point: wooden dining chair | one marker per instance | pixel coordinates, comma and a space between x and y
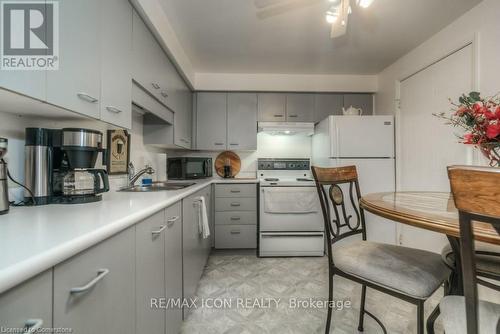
409, 274
476, 192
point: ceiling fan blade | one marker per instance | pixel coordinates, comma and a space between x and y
285, 7
260, 4
339, 27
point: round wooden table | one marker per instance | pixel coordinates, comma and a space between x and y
434, 211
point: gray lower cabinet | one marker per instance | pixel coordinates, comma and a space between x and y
300, 107
326, 105
150, 273
173, 266
271, 107
94, 291
211, 121
362, 101
195, 248
28, 305
235, 216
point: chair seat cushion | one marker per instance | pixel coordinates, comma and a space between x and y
453, 312
485, 264
412, 272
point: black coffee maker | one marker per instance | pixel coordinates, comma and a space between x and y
59, 166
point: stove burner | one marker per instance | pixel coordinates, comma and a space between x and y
303, 179
272, 179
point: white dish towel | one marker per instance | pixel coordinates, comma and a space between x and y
203, 227
291, 200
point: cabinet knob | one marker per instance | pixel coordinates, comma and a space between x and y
87, 97
101, 273
113, 109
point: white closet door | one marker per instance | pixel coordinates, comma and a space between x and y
425, 144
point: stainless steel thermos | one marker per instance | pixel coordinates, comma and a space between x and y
4, 187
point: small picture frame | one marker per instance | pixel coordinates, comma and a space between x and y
118, 152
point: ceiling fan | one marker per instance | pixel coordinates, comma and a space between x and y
337, 14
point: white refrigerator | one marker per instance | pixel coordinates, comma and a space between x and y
368, 143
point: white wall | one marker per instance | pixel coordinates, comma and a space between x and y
12, 127
480, 24
286, 82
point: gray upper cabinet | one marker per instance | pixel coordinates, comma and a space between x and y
150, 271
211, 120
363, 101
76, 85
28, 305
149, 60
94, 290
326, 105
271, 107
116, 62
173, 266
300, 107
183, 118
242, 121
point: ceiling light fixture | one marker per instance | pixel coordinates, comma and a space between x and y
364, 3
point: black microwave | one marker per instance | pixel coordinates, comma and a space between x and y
189, 168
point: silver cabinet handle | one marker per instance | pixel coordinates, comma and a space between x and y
234, 144
293, 116
235, 218
235, 232
235, 204
101, 273
164, 94
33, 325
218, 144
155, 85
87, 97
276, 116
172, 220
157, 232
113, 110
235, 191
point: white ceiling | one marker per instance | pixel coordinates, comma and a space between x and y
230, 36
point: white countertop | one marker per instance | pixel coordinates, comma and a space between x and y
34, 239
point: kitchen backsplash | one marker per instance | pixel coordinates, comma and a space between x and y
12, 127
268, 146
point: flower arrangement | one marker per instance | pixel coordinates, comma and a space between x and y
480, 119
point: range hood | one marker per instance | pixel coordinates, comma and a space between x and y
286, 128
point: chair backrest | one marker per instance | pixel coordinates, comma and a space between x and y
331, 196
476, 192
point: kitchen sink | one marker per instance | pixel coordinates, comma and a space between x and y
157, 186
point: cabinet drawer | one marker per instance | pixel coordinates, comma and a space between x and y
236, 217
31, 300
235, 190
235, 204
236, 236
98, 281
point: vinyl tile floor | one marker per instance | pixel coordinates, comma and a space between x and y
241, 293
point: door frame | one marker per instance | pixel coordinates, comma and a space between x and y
472, 155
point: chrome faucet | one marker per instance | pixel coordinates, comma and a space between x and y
133, 176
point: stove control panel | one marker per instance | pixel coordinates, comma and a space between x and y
283, 164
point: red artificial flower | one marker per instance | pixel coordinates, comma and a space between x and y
477, 107
497, 112
462, 111
493, 130
490, 115
468, 138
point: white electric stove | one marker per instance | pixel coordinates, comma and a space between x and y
291, 221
